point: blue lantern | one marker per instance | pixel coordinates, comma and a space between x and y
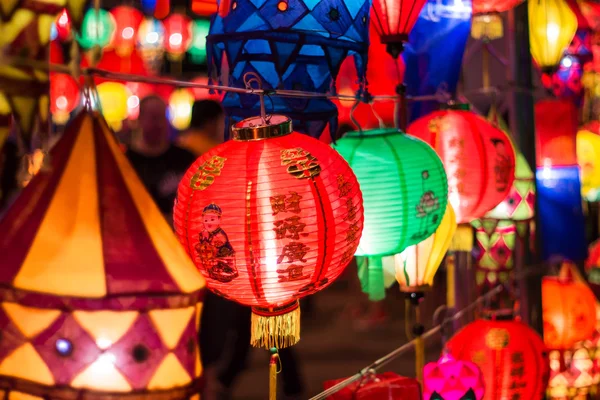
290, 45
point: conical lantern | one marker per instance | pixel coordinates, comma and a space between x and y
552, 26
101, 300
268, 218
416, 266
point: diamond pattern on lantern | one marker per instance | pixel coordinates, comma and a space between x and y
66, 348
333, 16
513, 201
10, 336
139, 352
186, 348
500, 251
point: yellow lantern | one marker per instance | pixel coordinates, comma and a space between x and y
588, 158
416, 266
113, 98
552, 26
180, 108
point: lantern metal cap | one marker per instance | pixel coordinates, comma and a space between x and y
257, 128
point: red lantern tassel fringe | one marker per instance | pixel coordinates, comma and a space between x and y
279, 327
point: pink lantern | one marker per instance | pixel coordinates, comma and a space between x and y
452, 379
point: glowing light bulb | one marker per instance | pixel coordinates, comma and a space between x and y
61, 102
152, 37
127, 33
566, 62
133, 102
176, 39
103, 344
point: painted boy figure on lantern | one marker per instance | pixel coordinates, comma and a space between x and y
214, 250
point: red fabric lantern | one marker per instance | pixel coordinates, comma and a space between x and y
204, 7
394, 20
382, 80
510, 354
63, 25
268, 218
556, 132
386, 386
568, 310
178, 35
479, 159
64, 96
128, 20
162, 9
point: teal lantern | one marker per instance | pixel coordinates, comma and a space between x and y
405, 192
197, 50
97, 29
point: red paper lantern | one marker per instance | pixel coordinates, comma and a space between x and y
386, 386
204, 7
479, 159
63, 25
268, 218
64, 96
556, 132
510, 354
394, 20
128, 20
162, 9
178, 35
569, 310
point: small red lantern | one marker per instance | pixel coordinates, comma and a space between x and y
268, 218
64, 96
478, 157
556, 132
385, 386
162, 9
178, 35
204, 7
128, 20
394, 20
63, 25
510, 354
569, 310
451, 379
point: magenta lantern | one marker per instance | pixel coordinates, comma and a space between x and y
451, 379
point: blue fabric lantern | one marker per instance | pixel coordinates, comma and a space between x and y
290, 45
434, 52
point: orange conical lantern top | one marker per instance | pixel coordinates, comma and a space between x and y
99, 295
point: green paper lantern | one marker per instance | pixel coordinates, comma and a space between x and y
197, 50
404, 187
97, 29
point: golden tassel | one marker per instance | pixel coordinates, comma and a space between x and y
270, 330
463, 238
450, 284
273, 363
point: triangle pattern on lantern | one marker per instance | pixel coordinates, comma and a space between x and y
102, 375
25, 363
22, 396
169, 374
30, 321
171, 324
97, 324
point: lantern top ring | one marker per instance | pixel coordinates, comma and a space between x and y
256, 128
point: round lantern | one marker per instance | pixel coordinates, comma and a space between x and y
151, 40
416, 266
479, 159
487, 22
520, 202
63, 25
394, 20
569, 311
113, 98
178, 35
588, 158
404, 188
510, 355
64, 96
552, 26
128, 20
180, 108
162, 8
268, 218
197, 50
97, 29
452, 379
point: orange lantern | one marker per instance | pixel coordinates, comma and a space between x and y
268, 218
178, 35
569, 310
64, 96
128, 20
510, 354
